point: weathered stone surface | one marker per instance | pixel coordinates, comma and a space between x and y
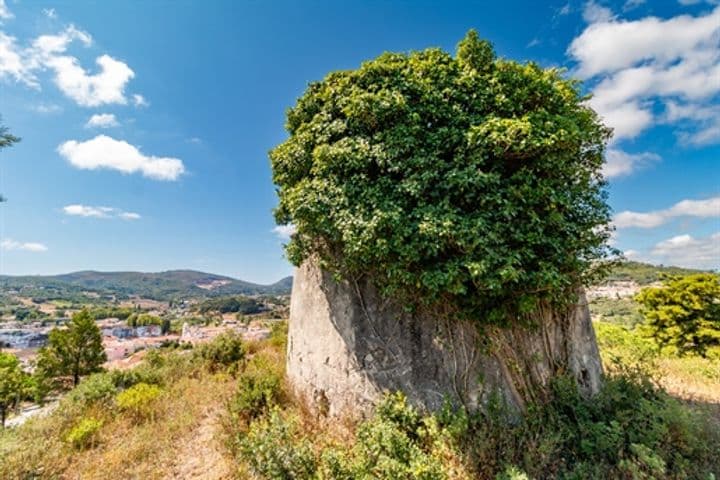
346, 346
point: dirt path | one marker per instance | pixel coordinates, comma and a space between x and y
201, 455
31, 411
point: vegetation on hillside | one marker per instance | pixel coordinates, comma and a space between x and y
122, 285
15, 385
644, 273
74, 351
239, 304
140, 423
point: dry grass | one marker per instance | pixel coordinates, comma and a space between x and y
179, 442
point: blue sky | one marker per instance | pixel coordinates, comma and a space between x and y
146, 125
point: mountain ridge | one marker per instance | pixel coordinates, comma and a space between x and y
163, 285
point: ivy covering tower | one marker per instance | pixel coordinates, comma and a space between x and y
466, 189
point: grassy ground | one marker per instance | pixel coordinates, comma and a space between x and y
176, 438
211, 413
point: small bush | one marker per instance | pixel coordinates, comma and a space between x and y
259, 389
96, 388
139, 400
223, 351
143, 373
512, 473
274, 450
85, 433
396, 443
279, 334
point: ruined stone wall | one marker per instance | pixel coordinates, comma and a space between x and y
346, 346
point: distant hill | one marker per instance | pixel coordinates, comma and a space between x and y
645, 273
158, 286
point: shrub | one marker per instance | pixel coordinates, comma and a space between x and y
629, 429
143, 373
85, 433
98, 387
279, 334
512, 473
223, 351
396, 443
684, 313
260, 387
139, 400
274, 450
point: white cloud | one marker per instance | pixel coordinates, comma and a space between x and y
686, 208
102, 120
99, 212
619, 163
638, 64
45, 46
12, 63
129, 216
284, 231
105, 87
612, 46
139, 100
630, 254
5, 13
86, 211
630, 4
594, 13
48, 52
706, 119
106, 152
10, 244
695, 2
687, 251
46, 108
629, 219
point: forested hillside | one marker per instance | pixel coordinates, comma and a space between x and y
157, 286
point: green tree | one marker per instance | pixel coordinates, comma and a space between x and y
6, 139
12, 384
683, 313
467, 181
73, 351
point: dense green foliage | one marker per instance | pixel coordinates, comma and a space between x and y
224, 351
6, 139
238, 304
260, 387
13, 384
73, 351
684, 313
631, 429
273, 450
468, 180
